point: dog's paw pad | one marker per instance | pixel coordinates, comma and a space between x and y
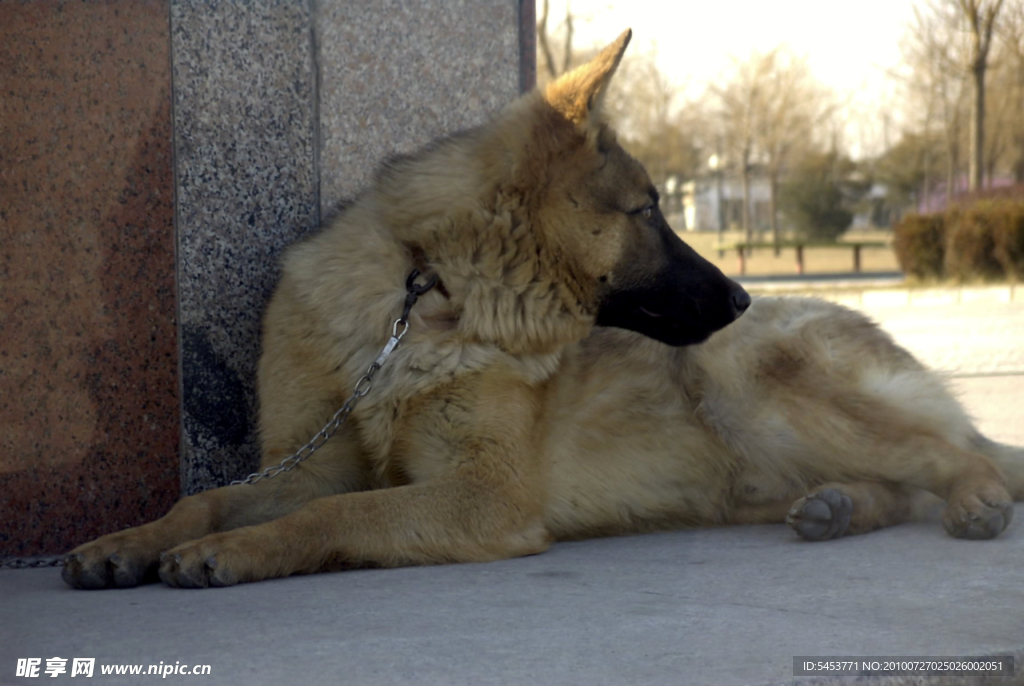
822, 515
977, 518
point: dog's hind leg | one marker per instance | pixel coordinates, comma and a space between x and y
898, 428
1009, 459
838, 509
978, 505
834, 509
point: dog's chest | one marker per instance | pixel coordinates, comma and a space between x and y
427, 407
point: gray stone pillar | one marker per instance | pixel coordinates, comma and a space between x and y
246, 186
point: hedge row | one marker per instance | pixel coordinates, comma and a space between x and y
984, 240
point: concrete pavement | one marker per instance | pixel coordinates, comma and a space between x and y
726, 606
717, 606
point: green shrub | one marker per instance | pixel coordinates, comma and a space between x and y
970, 242
919, 241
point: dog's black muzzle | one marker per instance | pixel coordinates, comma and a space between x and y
671, 294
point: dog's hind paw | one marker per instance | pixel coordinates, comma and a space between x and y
822, 515
978, 517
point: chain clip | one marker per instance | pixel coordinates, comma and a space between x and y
398, 329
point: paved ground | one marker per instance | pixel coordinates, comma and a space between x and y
717, 607
979, 338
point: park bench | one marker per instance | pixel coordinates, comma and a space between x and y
744, 248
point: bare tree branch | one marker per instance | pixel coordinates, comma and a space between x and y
542, 41
980, 16
567, 52
770, 107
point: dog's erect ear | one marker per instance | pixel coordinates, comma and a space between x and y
578, 94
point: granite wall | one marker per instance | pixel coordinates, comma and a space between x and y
133, 280
245, 150
88, 355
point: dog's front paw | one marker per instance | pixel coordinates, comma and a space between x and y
119, 560
822, 515
200, 564
979, 515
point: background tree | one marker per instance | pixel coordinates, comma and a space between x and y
906, 168
796, 108
1001, 112
980, 16
550, 39
741, 100
935, 83
813, 198
771, 110
947, 58
1010, 57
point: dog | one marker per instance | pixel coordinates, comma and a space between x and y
565, 367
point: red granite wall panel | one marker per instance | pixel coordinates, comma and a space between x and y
89, 420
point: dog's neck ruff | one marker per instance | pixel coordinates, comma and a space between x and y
398, 330
502, 280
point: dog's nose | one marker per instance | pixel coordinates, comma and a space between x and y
740, 300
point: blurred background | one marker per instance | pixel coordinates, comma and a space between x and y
801, 121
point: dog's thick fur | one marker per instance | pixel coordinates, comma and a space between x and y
506, 420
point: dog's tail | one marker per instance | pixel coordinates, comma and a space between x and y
1010, 460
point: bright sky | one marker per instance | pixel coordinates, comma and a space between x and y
849, 45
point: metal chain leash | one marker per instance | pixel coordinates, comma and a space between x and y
362, 387
32, 562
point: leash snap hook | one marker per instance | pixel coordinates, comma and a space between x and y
414, 291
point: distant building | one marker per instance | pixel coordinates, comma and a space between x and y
695, 205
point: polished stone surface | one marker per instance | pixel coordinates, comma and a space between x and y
527, 45
244, 90
395, 75
88, 358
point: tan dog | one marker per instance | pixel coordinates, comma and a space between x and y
506, 420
